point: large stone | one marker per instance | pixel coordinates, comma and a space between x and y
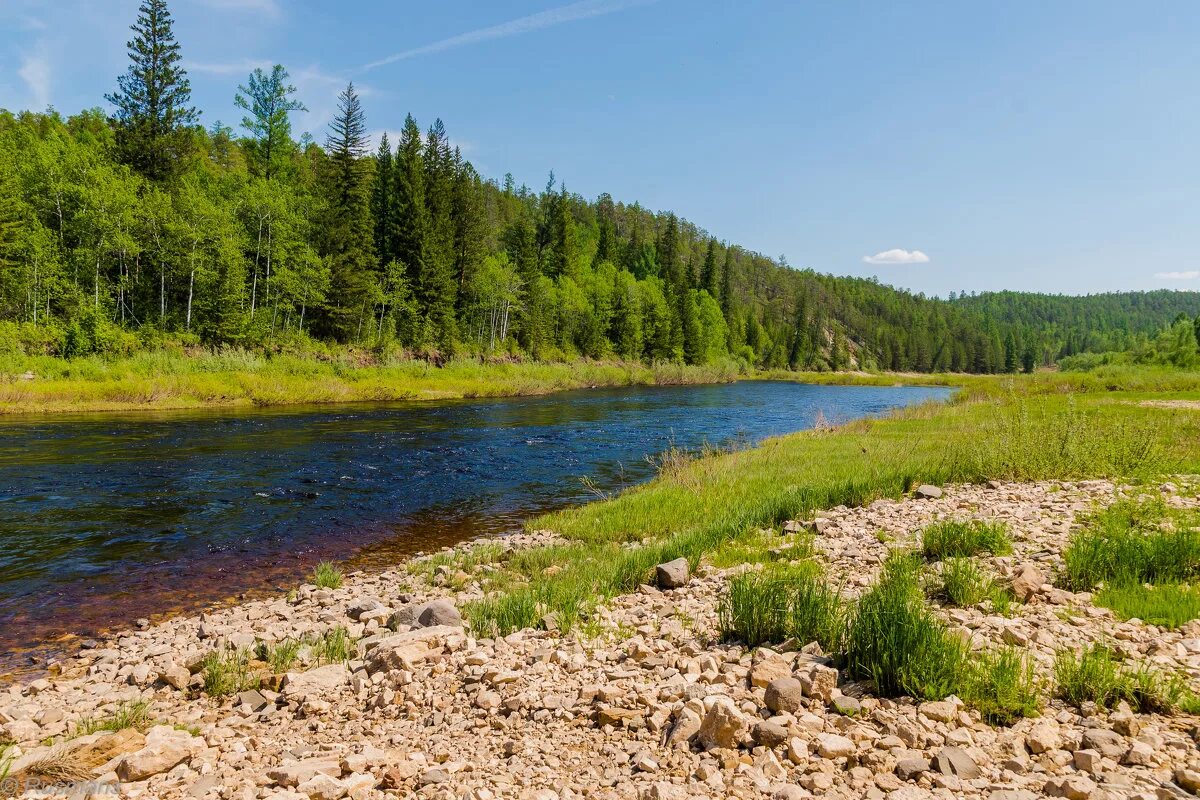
769, 734
1027, 583
723, 725
768, 669
1043, 737
92, 752
294, 773
785, 694
176, 676
673, 574
819, 681
427, 615
909, 769
324, 787
321, 682
939, 710
955, 761
1107, 743
687, 726
831, 745
165, 748
928, 492
404, 650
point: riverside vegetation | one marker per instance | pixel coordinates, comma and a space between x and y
815, 631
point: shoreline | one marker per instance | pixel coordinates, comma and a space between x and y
536, 711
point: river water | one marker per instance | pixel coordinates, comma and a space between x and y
108, 517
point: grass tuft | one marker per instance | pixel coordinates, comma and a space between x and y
1098, 675
327, 575
333, 646
1002, 686
1133, 542
964, 538
1168, 606
135, 714
784, 601
227, 672
279, 656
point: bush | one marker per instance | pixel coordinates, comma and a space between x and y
896, 641
962, 538
781, 602
1133, 542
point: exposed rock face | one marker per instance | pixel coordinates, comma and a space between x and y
648, 702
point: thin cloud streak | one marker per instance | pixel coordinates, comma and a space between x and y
1187, 275
585, 9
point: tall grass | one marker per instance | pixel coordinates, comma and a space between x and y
134, 714
1167, 606
327, 575
964, 538
1098, 675
783, 602
1133, 542
227, 672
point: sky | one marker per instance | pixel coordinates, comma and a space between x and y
940, 146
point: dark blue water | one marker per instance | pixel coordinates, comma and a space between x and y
107, 517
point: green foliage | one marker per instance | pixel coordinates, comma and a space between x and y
963, 583
1097, 675
279, 656
1167, 605
132, 714
327, 575
897, 643
333, 646
964, 538
1133, 542
782, 602
227, 672
1002, 686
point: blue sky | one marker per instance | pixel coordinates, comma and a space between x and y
986, 145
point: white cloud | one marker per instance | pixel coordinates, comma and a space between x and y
35, 71
1188, 275
268, 7
584, 9
897, 256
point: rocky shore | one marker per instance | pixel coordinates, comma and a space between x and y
643, 701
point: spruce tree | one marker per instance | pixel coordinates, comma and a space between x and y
269, 100
708, 273
152, 112
381, 200
726, 298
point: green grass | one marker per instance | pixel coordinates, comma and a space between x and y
134, 714
896, 642
964, 538
279, 656
962, 583
333, 646
1166, 605
1002, 686
1133, 542
173, 379
781, 602
699, 506
1099, 676
762, 547
227, 672
327, 575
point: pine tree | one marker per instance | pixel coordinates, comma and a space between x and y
708, 273
152, 111
269, 100
726, 295
350, 232
381, 200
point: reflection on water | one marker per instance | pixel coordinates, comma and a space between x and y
104, 518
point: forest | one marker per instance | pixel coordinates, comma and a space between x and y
138, 227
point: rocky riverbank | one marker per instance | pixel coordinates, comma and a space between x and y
642, 701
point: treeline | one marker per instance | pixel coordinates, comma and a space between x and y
1175, 345
141, 227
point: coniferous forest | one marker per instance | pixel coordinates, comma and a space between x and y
137, 226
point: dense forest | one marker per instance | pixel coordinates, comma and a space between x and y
139, 227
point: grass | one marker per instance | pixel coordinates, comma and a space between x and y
716, 505
761, 547
1002, 686
279, 656
135, 714
1166, 605
333, 646
227, 672
327, 575
1133, 542
1098, 675
962, 583
173, 379
964, 538
782, 602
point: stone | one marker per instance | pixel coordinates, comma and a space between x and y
91, 752
664, 790
955, 761
1042, 738
294, 773
1073, 787
1027, 582
819, 681
687, 726
427, 615
673, 574
789, 791
1109, 744
165, 748
847, 706
254, 699
1088, 761
928, 492
784, 694
909, 769
323, 787
404, 650
768, 669
1189, 779
939, 710
1139, 754
723, 725
831, 745
769, 734
176, 676
321, 682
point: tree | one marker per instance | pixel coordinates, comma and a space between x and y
350, 230
269, 100
152, 111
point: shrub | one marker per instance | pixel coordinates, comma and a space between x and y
1133, 542
783, 601
896, 641
961, 538
327, 575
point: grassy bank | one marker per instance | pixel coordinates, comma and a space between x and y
1006, 428
172, 380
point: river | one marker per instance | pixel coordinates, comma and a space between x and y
105, 518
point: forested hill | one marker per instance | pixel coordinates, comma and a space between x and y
137, 226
